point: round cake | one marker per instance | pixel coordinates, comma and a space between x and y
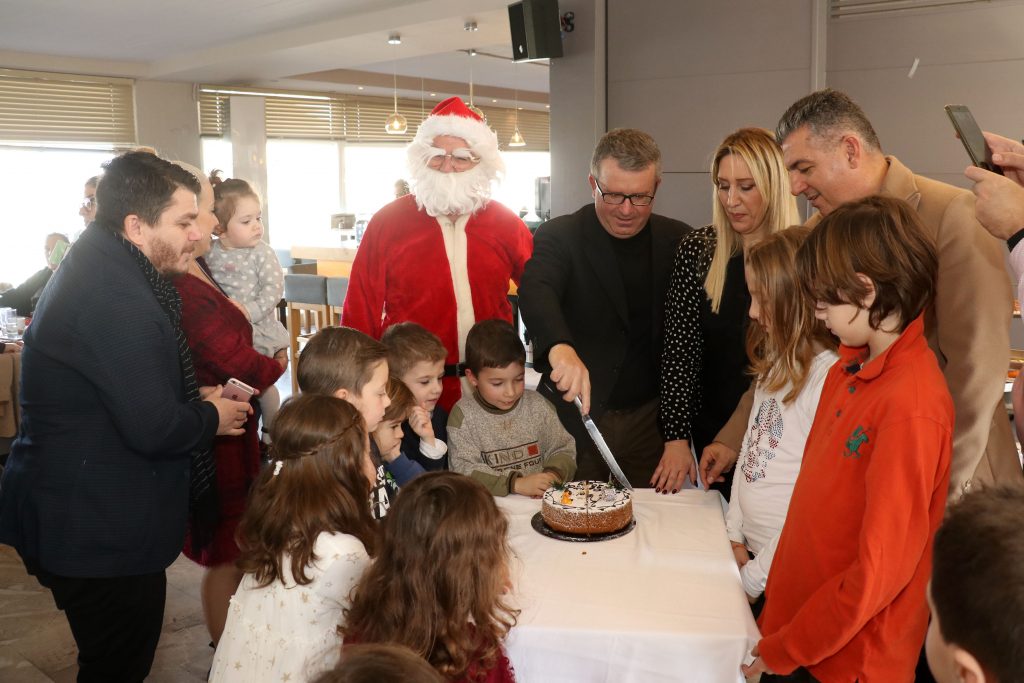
586, 507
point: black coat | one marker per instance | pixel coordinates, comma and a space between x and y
97, 483
572, 292
24, 296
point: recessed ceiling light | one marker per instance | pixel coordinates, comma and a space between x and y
548, 106
469, 26
359, 87
394, 39
494, 100
433, 94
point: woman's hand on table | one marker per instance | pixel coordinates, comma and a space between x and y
756, 667
676, 465
715, 459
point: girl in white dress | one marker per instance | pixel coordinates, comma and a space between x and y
305, 539
791, 352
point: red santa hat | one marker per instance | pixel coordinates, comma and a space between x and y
453, 117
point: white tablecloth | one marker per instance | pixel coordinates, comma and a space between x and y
663, 603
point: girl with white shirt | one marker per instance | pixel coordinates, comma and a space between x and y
790, 354
305, 540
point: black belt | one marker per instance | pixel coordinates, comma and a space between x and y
457, 370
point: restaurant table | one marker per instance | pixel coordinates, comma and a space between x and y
661, 603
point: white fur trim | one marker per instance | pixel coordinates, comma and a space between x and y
454, 235
482, 140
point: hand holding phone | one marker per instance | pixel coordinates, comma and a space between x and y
237, 390
56, 254
971, 137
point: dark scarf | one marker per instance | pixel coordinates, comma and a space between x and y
202, 499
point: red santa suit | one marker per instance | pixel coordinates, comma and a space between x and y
440, 272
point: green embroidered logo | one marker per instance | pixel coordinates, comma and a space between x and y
856, 440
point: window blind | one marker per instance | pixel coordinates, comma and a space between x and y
60, 108
355, 118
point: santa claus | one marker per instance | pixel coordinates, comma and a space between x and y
443, 256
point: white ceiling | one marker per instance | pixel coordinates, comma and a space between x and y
273, 43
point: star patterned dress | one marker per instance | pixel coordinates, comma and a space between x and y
285, 632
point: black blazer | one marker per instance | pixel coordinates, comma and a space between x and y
97, 482
572, 292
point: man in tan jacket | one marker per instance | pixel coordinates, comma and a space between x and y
834, 156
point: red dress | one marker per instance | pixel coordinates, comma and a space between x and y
401, 273
220, 338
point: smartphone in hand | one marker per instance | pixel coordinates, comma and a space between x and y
56, 254
970, 134
237, 390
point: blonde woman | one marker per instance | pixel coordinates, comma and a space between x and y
704, 361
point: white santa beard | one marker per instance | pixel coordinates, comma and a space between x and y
451, 194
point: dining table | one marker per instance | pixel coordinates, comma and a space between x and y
663, 602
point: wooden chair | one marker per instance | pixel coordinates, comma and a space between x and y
306, 297
337, 288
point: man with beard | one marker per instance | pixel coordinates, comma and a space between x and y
112, 457
443, 256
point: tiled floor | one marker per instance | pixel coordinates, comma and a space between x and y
36, 644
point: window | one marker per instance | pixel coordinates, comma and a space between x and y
303, 191
42, 190
370, 175
217, 155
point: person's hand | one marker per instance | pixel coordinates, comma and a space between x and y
206, 392
1000, 204
534, 485
13, 347
757, 667
569, 374
752, 599
419, 420
714, 460
1007, 154
240, 306
232, 414
739, 551
282, 357
676, 465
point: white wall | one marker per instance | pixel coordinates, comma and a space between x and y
167, 119
971, 55
577, 97
689, 73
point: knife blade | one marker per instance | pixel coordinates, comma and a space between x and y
602, 445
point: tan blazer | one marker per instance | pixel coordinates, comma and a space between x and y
968, 328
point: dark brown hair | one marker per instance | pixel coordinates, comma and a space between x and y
978, 579
338, 358
493, 344
226, 194
881, 238
437, 585
375, 663
402, 401
828, 114
408, 344
782, 354
139, 184
314, 483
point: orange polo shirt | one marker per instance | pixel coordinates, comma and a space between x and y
846, 593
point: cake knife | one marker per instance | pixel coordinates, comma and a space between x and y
602, 445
